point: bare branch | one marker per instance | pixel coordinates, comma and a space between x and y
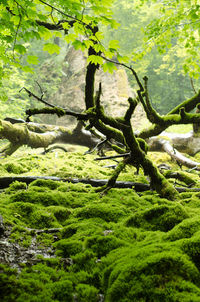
113, 156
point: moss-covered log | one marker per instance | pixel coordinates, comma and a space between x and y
41, 136
6, 181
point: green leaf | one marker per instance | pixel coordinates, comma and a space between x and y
89, 43
70, 38
15, 20
5, 32
109, 66
20, 49
32, 60
51, 48
45, 33
27, 69
123, 59
95, 59
114, 44
98, 48
57, 34
99, 35
79, 45
66, 25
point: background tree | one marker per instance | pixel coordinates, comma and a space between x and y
163, 60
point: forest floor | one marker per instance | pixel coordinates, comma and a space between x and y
66, 242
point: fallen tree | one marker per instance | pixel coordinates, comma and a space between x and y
41, 136
35, 135
138, 187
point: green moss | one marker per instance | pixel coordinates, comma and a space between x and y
192, 248
134, 274
67, 248
102, 245
60, 213
75, 187
85, 293
120, 231
69, 231
39, 283
15, 168
33, 216
162, 218
103, 211
44, 240
185, 195
51, 184
62, 290
81, 229
23, 209
42, 219
193, 201
8, 284
16, 186
124, 245
185, 229
43, 198
143, 144
21, 235
84, 262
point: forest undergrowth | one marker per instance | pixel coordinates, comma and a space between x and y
123, 246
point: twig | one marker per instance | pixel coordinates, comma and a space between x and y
112, 156
68, 16
192, 84
97, 147
42, 92
16, 34
57, 110
128, 67
37, 98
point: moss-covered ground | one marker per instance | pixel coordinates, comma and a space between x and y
123, 246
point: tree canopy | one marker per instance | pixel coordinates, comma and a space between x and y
158, 38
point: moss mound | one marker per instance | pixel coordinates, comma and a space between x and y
150, 273
161, 217
104, 211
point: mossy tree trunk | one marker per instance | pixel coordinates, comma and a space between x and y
137, 151
139, 157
